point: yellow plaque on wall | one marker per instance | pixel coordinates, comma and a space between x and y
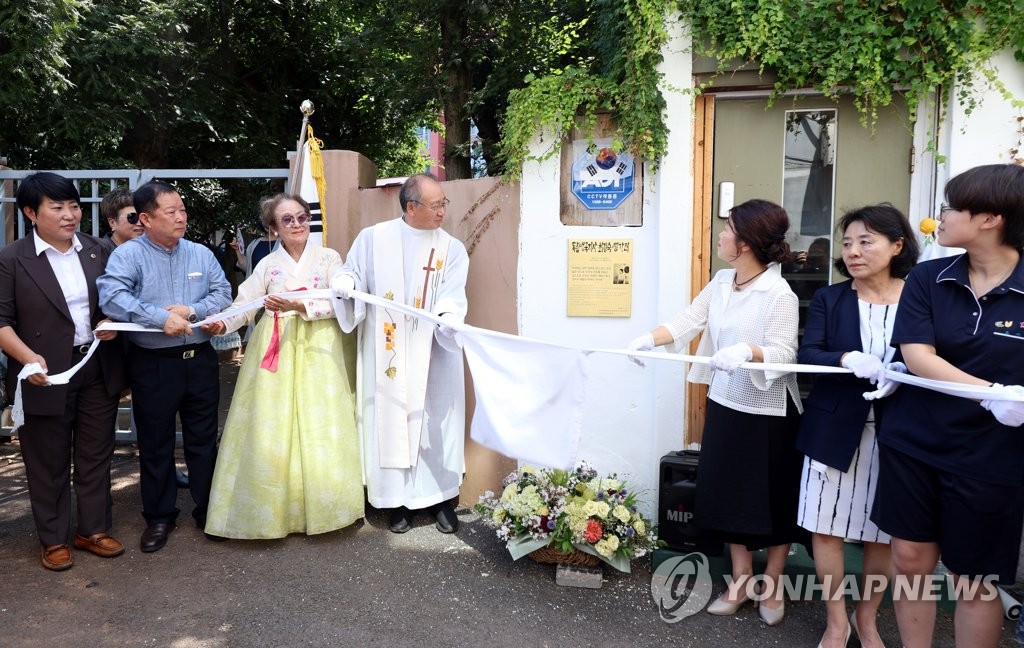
600, 277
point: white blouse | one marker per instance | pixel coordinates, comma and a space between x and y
765, 313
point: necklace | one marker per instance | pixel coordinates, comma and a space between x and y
738, 284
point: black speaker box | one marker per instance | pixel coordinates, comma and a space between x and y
677, 490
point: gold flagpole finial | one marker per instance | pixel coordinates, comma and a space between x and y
306, 107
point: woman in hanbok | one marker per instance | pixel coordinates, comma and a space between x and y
289, 456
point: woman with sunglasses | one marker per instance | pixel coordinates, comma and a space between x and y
119, 211
289, 456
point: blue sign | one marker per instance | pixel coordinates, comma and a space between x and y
602, 178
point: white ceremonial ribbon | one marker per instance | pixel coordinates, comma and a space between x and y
542, 423
63, 378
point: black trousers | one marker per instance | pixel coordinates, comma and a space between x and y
182, 382
84, 434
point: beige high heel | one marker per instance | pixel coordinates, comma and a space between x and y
772, 616
722, 607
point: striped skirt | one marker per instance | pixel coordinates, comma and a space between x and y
839, 503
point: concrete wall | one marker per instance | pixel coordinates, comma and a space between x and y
632, 416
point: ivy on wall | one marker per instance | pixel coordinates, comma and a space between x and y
874, 50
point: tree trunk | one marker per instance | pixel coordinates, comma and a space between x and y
458, 77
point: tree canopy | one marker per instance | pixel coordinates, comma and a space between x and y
202, 83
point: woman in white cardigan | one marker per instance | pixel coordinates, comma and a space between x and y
748, 479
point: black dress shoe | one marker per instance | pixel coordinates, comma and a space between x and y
401, 520
155, 536
447, 521
181, 477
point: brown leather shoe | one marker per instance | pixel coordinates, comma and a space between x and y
100, 544
57, 557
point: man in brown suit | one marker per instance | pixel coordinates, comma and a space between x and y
48, 312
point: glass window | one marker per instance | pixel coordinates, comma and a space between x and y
808, 185
807, 195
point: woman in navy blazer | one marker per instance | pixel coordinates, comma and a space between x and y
849, 324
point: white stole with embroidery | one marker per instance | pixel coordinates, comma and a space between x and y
402, 344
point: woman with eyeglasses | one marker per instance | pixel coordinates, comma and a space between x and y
951, 470
289, 455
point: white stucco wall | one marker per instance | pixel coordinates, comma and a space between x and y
632, 416
987, 134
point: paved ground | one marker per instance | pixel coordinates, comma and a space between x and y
360, 586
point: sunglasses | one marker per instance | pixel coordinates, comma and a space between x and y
132, 218
297, 220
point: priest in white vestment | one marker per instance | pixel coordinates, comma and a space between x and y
410, 386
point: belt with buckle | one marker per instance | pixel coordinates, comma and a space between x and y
185, 352
81, 349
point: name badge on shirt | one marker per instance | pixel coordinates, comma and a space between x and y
195, 276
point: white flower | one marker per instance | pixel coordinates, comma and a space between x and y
600, 509
510, 491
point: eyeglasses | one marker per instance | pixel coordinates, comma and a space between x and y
132, 218
293, 220
943, 208
437, 206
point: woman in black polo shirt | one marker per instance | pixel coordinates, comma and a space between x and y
951, 479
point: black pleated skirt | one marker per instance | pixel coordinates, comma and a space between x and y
748, 478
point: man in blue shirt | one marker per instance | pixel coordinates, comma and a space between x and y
161, 280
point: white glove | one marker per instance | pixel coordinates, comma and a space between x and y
644, 342
1007, 412
863, 365
446, 330
343, 285
885, 386
731, 357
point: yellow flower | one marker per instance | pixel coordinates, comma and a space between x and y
621, 512
439, 264
639, 526
498, 516
528, 470
928, 226
391, 372
543, 510
389, 295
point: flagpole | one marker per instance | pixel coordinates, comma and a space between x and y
307, 109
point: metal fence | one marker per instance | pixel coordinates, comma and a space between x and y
96, 183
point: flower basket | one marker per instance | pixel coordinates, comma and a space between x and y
554, 556
568, 516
